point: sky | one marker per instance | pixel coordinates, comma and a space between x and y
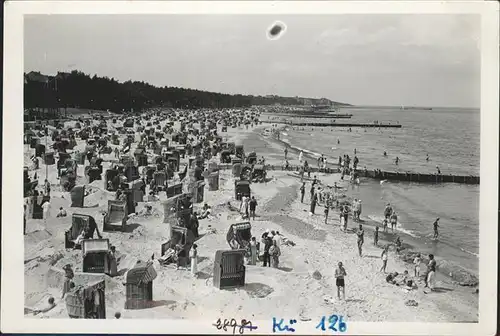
382, 59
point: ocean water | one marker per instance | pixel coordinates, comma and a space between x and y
450, 137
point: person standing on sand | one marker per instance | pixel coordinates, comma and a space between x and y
301, 157
253, 252
253, 206
431, 272
384, 257
46, 210
361, 239
375, 236
302, 192
436, 225
340, 273
274, 253
268, 242
311, 191
68, 279
286, 153
327, 210
193, 255
314, 201
346, 216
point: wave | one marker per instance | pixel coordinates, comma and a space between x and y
469, 252
399, 225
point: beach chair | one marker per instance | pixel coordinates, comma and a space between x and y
229, 269
95, 256
49, 159
132, 173
137, 190
213, 181
77, 196
225, 156
174, 190
182, 237
139, 286
242, 233
61, 163
110, 176
173, 163
160, 177
78, 223
241, 188
116, 217
81, 301
92, 173
258, 173
231, 146
251, 158
239, 151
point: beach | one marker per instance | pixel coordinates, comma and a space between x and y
289, 291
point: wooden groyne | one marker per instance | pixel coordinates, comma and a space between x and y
312, 115
335, 124
379, 174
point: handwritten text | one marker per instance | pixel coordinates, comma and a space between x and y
232, 323
280, 325
332, 321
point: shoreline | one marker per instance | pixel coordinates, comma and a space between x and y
412, 244
368, 225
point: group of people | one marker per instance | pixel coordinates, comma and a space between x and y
248, 206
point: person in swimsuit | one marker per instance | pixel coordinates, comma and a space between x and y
436, 225
394, 220
340, 273
361, 239
384, 257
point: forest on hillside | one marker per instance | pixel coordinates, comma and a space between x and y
79, 90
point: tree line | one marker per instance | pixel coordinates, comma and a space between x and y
79, 90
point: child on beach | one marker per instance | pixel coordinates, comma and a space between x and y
384, 257
340, 273
384, 224
417, 261
375, 236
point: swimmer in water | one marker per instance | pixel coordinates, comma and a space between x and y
385, 153
427, 158
338, 141
397, 160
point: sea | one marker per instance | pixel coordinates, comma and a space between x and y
450, 137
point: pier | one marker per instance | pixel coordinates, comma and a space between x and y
335, 124
379, 174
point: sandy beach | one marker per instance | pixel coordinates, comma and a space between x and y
290, 290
